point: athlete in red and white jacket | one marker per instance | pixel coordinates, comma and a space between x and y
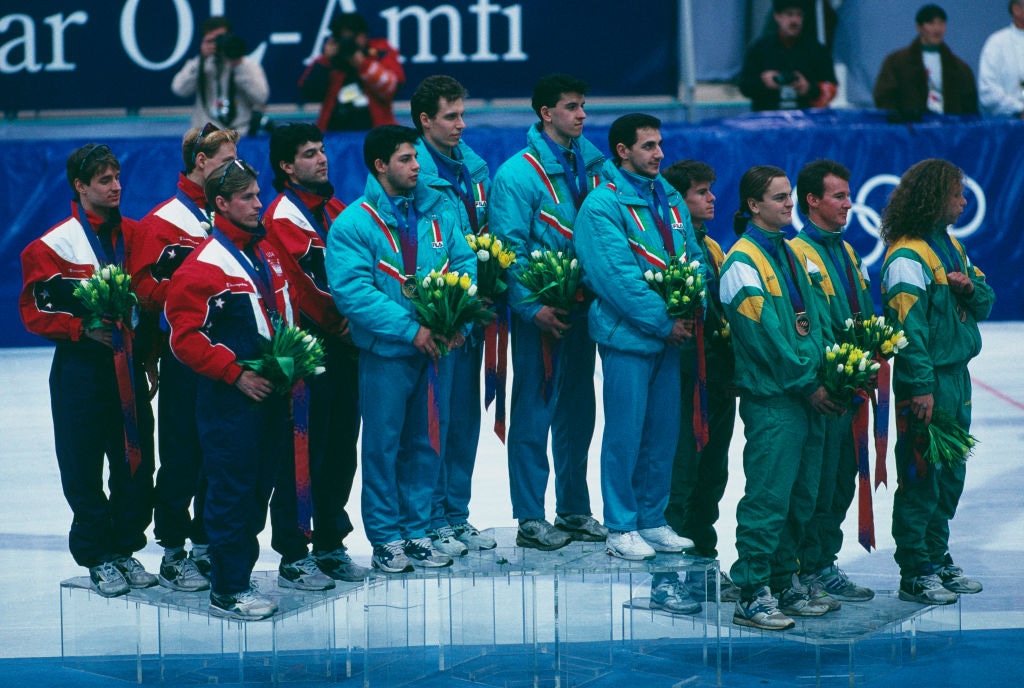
87, 399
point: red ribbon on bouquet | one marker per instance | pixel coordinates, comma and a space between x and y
125, 373
433, 407
865, 509
496, 366
700, 390
300, 441
881, 420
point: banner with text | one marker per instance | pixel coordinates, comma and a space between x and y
68, 54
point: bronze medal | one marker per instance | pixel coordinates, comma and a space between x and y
803, 324
409, 287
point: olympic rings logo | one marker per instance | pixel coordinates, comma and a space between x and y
870, 219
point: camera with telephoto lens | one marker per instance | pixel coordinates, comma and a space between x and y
230, 46
784, 77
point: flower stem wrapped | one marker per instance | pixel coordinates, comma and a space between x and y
553, 278
108, 298
446, 303
292, 354
681, 285
949, 444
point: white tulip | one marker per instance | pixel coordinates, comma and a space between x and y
659, 278
483, 256
649, 276
472, 290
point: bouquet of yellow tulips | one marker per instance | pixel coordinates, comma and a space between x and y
445, 303
492, 260
876, 337
846, 369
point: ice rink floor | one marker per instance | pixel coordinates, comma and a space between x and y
987, 534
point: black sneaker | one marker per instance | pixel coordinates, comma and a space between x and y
926, 590
108, 580
181, 573
201, 559
390, 557
339, 565
303, 574
135, 573
248, 605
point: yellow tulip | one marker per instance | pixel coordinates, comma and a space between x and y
451, 279
465, 281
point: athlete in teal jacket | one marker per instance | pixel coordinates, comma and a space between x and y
617, 240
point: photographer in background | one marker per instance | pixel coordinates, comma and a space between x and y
230, 89
355, 78
789, 69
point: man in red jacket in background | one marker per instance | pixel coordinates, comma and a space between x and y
355, 78
297, 223
166, 236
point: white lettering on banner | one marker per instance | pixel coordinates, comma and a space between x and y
129, 37
57, 26
870, 220
394, 16
482, 8
27, 43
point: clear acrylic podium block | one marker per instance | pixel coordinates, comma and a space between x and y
521, 617
857, 643
157, 636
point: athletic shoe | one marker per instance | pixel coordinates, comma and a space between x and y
248, 605
628, 545
926, 590
536, 533
796, 600
702, 586
180, 573
834, 582
473, 538
135, 573
339, 565
664, 539
390, 558
668, 594
444, 541
421, 553
303, 574
761, 612
582, 527
953, 579
200, 554
108, 580
816, 591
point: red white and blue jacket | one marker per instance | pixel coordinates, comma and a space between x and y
52, 267
167, 234
297, 223
216, 313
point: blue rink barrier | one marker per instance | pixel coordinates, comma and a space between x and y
36, 194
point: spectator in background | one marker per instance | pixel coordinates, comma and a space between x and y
230, 88
787, 70
355, 78
1001, 71
926, 75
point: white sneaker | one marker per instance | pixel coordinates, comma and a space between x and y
664, 539
473, 538
445, 541
628, 545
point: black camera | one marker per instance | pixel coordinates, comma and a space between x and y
230, 46
785, 77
